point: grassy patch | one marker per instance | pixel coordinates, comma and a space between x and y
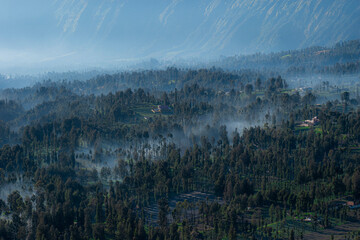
301, 128
286, 56
172, 82
318, 130
144, 109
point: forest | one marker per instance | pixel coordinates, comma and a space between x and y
181, 153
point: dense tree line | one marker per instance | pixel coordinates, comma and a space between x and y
260, 177
250, 172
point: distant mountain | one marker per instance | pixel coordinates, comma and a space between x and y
341, 58
116, 31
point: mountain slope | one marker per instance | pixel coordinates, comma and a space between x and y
110, 31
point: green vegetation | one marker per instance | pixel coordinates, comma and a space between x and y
228, 162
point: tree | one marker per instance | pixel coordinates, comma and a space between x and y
249, 89
258, 84
163, 211
356, 184
232, 233
309, 98
99, 231
292, 235
16, 202
99, 215
165, 99
345, 96
223, 135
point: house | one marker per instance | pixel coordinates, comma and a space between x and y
352, 205
304, 89
322, 52
313, 122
